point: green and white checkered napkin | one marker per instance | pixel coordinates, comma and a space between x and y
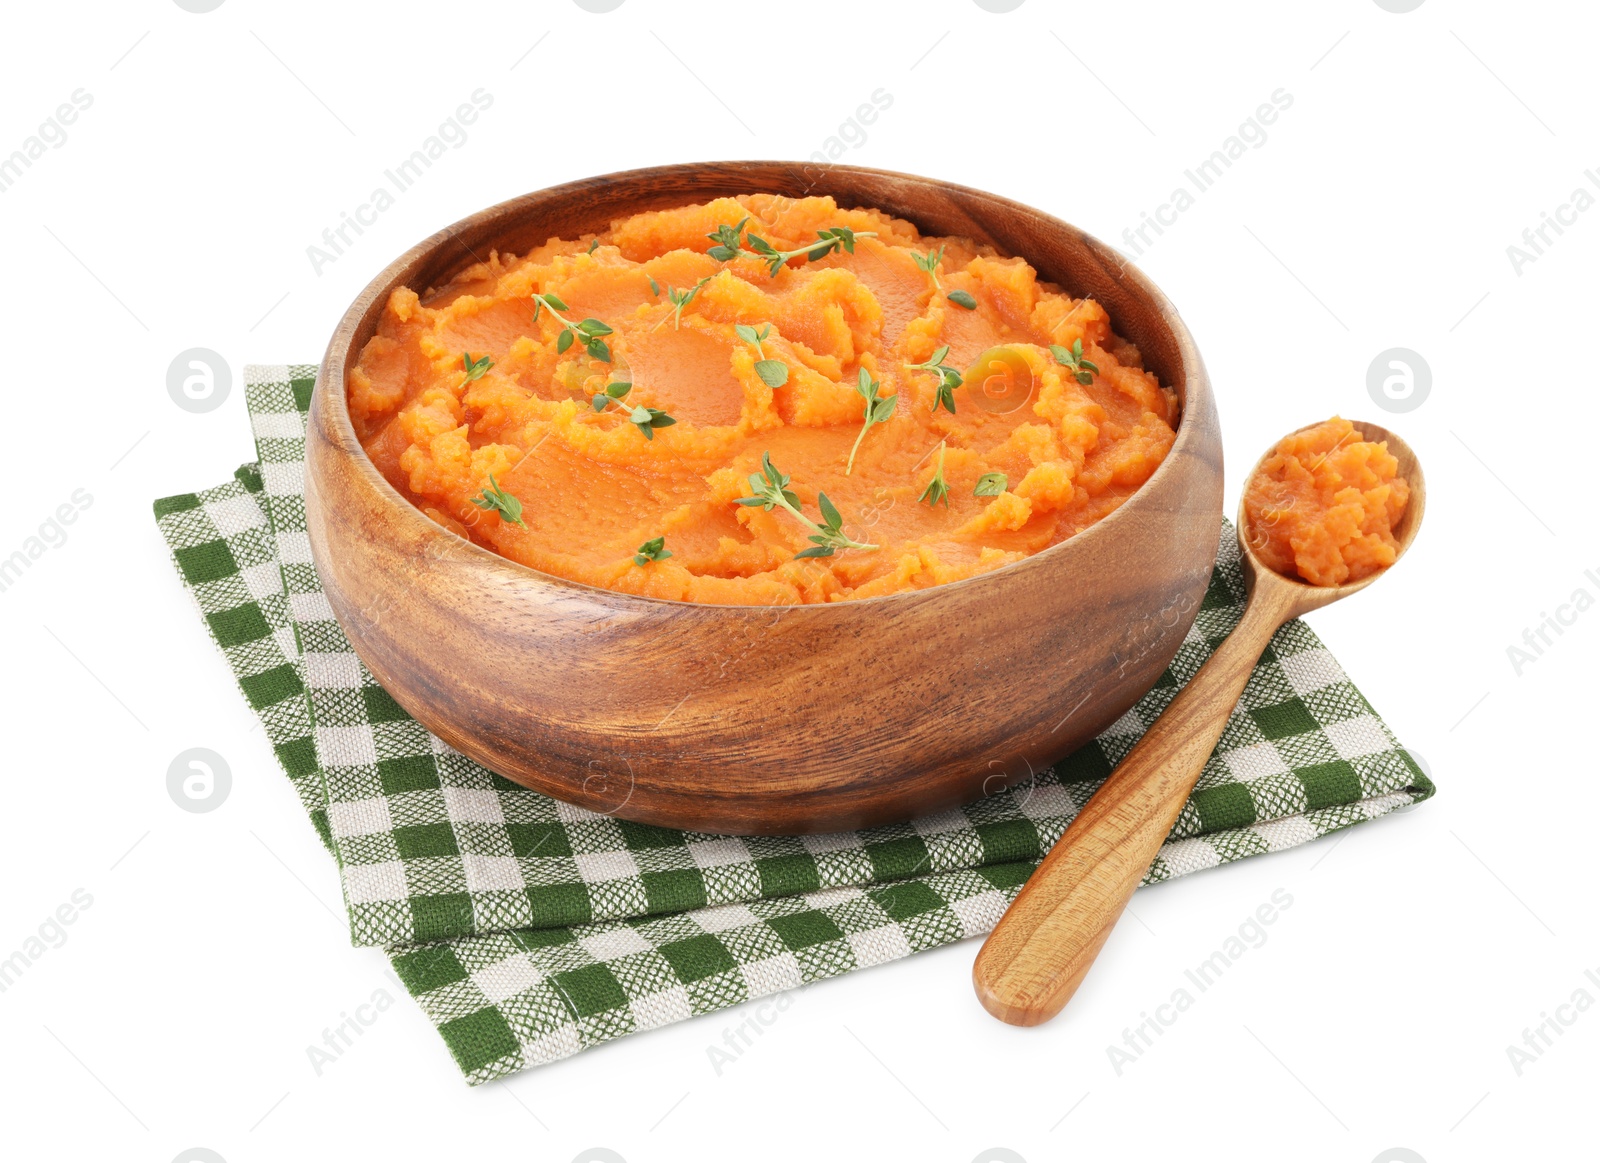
528, 929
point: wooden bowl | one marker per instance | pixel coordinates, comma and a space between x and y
748, 719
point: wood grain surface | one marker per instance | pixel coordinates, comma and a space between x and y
744, 719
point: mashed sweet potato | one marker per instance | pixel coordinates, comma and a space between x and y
1324, 505
592, 490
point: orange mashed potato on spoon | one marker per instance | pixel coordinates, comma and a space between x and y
595, 408
1324, 505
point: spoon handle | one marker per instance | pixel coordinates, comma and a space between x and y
1043, 946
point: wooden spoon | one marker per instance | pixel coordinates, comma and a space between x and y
1043, 946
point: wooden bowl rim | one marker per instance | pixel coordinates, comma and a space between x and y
1195, 392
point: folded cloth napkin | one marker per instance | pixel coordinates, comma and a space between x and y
528, 929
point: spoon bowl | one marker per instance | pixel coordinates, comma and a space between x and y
1039, 953
1302, 596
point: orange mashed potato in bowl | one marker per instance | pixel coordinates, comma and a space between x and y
1324, 505
763, 400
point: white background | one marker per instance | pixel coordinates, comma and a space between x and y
178, 1011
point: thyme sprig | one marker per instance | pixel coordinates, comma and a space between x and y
963, 299
949, 378
474, 367
727, 239
831, 239
1072, 359
652, 550
679, 300
875, 411
646, 420
773, 372
930, 262
588, 332
769, 488
494, 499
937, 490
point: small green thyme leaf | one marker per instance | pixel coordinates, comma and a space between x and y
646, 420
589, 331
990, 484
875, 411
830, 514
773, 372
475, 367
680, 300
497, 500
937, 489
949, 379
962, 299
652, 550
1072, 359
930, 262
727, 239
